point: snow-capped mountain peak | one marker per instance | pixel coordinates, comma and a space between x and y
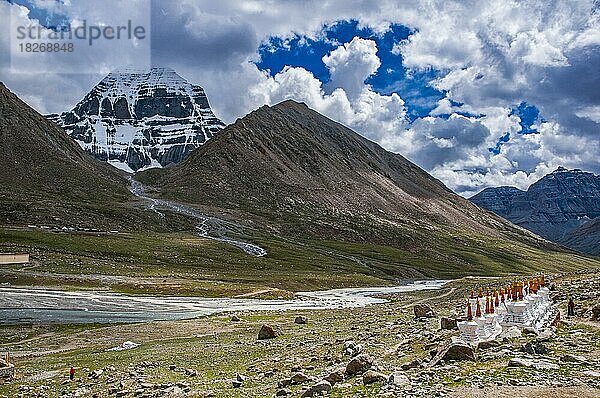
137, 119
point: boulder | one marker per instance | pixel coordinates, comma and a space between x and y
454, 352
358, 365
448, 323
299, 378
546, 335
191, 372
423, 311
301, 320
487, 344
284, 392
534, 348
371, 376
169, 392
96, 374
318, 389
512, 332
528, 330
596, 312
235, 318
267, 332
591, 373
238, 380
351, 348
415, 363
398, 379
573, 358
336, 376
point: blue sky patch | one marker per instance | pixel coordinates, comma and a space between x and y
391, 77
529, 116
51, 20
496, 150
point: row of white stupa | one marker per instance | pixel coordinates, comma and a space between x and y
524, 304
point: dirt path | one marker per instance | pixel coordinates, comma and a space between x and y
427, 299
257, 292
525, 392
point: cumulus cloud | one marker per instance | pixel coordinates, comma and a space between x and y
351, 64
351, 102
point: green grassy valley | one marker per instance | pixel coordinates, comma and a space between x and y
185, 264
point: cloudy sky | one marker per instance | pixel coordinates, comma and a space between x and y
478, 93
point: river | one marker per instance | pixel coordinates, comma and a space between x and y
208, 227
42, 306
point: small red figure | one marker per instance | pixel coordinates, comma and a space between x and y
72, 373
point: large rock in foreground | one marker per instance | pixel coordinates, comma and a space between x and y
318, 389
358, 365
423, 311
268, 332
454, 352
448, 324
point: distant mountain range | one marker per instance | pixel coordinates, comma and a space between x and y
286, 177
139, 119
563, 207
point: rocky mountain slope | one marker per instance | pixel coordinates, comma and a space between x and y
557, 204
498, 199
585, 238
139, 119
46, 178
300, 175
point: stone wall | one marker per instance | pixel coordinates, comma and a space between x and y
14, 258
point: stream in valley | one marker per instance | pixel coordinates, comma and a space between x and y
32, 305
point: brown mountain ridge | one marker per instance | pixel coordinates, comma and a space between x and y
297, 172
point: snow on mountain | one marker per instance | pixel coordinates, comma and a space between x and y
138, 119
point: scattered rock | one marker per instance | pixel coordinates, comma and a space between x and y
534, 348
267, 332
235, 318
423, 311
415, 363
351, 348
321, 387
573, 358
301, 320
358, 365
283, 392
486, 345
371, 376
398, 379
336, 376
238, 381
528, 363
299, 378
191, 372
95, 374
448, 323
596, 312
454, 352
